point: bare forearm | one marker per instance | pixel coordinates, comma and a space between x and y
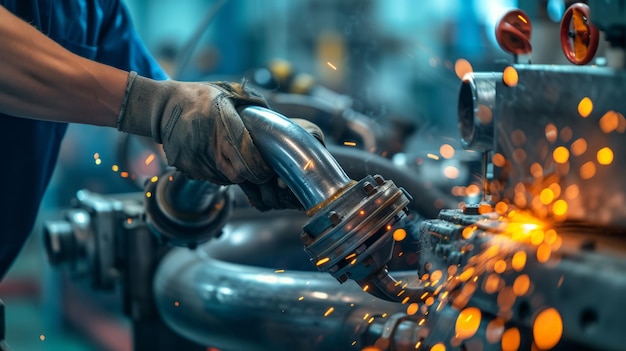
40, 79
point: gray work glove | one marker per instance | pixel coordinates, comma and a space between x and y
202, 134
198, 125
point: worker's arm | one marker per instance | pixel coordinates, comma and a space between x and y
40, 79
202, 134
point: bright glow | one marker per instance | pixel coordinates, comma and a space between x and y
560, 154
605, 156
547, 329
521, 285
579, 147
115, 168
438, 347
322, 261
609, 122
349, 143
588, 170
149, 159
446, 151
511, 340
462, 67
432, 156
551, 132
331, 65
329, 312
154, 179
412, 309
543, 253
498, 160
467, 323
559, 208
319, 295
510, 76
546, 196
451, 172
518, 262
585, 106
399, 234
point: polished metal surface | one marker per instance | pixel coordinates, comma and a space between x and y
247, 291
297, 157
477, 101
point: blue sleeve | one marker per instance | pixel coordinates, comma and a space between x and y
119, 44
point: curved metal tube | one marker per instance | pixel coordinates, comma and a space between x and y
222, 294
300, 160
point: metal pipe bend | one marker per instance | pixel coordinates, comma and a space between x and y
228, 294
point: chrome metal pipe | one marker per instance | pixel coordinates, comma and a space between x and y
477, 102
233, 294
299, 159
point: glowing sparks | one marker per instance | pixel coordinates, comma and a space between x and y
511, 340
412, 309
300, 298
115, 168
579, 147
399, 234
585, 107
588, 170
42, 337
329, 312
349, 143
322, 261
547, 329
149, 159
148, 194
605, 156
432, 156
98, 162
308, 165
546, 196
518, 262
451, 172
462, 67
560, 154
609, 122
510, 76
331, 66
467, 323
154, 179
124, 174
560, 207
521, 285
498, 160
438, 347
446, 151
543, 253
279, 271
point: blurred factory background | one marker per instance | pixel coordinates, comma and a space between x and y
394, 59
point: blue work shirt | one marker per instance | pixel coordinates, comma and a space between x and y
100, 30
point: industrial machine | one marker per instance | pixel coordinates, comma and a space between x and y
535, 264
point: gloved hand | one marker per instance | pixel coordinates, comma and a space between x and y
203, 135
198, 125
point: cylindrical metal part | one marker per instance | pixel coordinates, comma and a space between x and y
477, 101
247, 291
300, 160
